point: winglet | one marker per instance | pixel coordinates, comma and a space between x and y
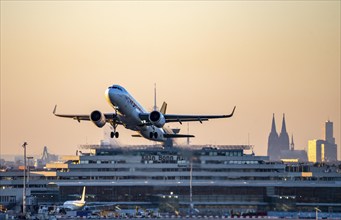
54, 110
230, 115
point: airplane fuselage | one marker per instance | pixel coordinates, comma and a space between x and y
129, 110
74, 205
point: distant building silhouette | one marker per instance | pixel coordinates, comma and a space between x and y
273, 150
292, 145
323, 150
276, 143
294, 155
283, 140
316, 151
279, 147
328, 132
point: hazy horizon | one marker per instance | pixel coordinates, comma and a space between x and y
205, 57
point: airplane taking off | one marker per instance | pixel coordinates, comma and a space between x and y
75, 204
130, 114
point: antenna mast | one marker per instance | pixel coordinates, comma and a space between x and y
155, 107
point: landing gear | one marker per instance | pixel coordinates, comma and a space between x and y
114, 134
153, 135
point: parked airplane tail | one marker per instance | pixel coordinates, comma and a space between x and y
83, 195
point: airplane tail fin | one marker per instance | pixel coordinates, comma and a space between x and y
83, 195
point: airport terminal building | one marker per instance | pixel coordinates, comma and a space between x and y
207, 179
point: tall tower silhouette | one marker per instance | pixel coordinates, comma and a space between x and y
292, 145
330, 146
273, 150
328, 132
283, 140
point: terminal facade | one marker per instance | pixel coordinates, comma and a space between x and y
214, 179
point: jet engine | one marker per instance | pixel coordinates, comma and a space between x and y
157, 119
98, 118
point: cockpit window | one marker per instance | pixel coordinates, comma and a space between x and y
117, 87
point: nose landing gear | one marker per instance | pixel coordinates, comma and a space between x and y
114, 133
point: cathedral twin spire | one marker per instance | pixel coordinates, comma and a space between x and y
277, 143
273, 126
284, 127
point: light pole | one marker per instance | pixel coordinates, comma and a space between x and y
28, 171
24, 182
191, 206
28, 181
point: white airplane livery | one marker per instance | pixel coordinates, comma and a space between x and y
75, 204
130, 114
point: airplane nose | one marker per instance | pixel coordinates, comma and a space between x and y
107, 94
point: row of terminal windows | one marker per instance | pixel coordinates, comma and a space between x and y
249, 169
223, 178
230, 162
223, 153
7, 199
227, 170
3, 187
203, 162
243, 162
179, 178
231, 153
102, 161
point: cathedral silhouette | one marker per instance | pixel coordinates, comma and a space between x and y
277, 143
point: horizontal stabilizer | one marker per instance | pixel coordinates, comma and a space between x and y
163, 108
177, 135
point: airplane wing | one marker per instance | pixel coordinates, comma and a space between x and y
108, 116
187, 118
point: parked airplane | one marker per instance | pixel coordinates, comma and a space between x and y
130, 114
75, 204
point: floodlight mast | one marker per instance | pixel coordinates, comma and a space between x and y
24, 182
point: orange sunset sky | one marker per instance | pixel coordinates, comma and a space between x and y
205, 57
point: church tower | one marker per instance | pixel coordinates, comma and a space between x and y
283, 140
273, 150
292, 145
